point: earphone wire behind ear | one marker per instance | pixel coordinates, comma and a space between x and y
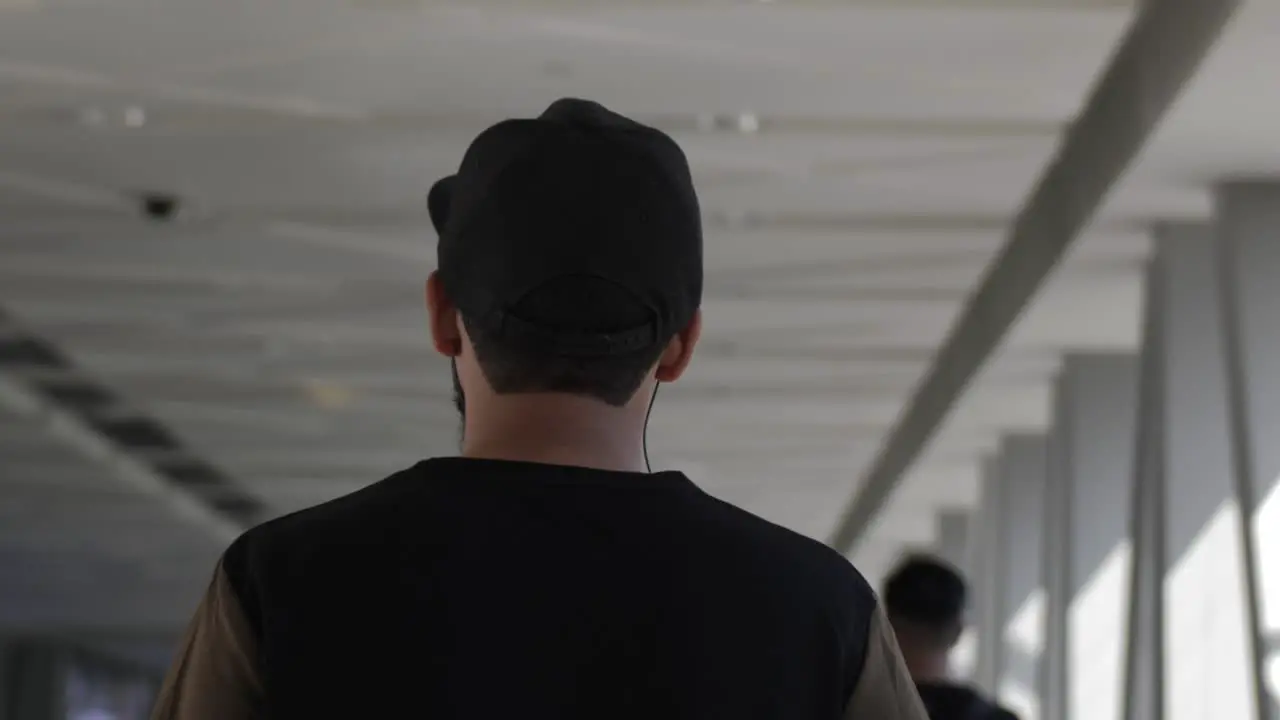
644, 438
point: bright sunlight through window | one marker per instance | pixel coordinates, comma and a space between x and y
1096, 639
1206, 665
1024, 638
1266, 529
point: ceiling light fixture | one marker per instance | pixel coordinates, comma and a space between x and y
93, 116
733, 218
130, 116
134, 117
327, 395
745, 123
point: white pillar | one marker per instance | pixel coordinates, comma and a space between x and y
1054, 572
1086, 558
1143, 674
1248, 229
954, 544
953, 538
987, 584
1102, 394
1208, 665
1023, 463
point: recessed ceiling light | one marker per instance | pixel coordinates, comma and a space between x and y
745, 123
732, 218
327, 395
93, 116
134, 117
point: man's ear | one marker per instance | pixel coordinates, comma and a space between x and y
446, 332
675, 359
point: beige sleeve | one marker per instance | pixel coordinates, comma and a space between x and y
215, 674
885, 690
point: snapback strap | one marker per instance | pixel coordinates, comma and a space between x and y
562, 342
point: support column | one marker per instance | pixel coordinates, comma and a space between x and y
1055, 567
1104, 396
1248, 228
1208, 659
953, 538
1143, 674
987, 582
1088, 560
1023, 460
956, 537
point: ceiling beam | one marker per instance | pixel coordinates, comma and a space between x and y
103, 453
93, 421
1159, 54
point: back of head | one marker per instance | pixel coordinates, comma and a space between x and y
927, 596
514, 367
571, 245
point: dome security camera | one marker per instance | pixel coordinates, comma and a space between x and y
159, 206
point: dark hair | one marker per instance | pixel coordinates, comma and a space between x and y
513, 368
929, 594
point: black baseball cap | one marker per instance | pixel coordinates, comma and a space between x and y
926, 590
578, 232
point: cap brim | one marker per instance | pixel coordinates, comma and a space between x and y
439, 200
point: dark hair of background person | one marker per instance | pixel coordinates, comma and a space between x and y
927, 597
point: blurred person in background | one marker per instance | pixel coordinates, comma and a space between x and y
545, 573
926, 600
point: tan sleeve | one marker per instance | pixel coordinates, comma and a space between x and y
885, 690
215, 674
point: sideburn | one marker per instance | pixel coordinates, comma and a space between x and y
459, 402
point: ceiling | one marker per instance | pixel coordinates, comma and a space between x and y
858, 162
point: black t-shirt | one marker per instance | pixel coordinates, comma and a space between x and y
952, 701
485, 589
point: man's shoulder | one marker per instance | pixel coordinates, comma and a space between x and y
792, 552
355, 506
341, 521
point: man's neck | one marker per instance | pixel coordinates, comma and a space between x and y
551, 454
576, 432
927, 667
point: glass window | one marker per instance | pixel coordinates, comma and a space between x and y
1206, 661
1097, 621
1266, 529
1024, 641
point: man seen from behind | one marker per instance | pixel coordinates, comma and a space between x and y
926, 600
545, 572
